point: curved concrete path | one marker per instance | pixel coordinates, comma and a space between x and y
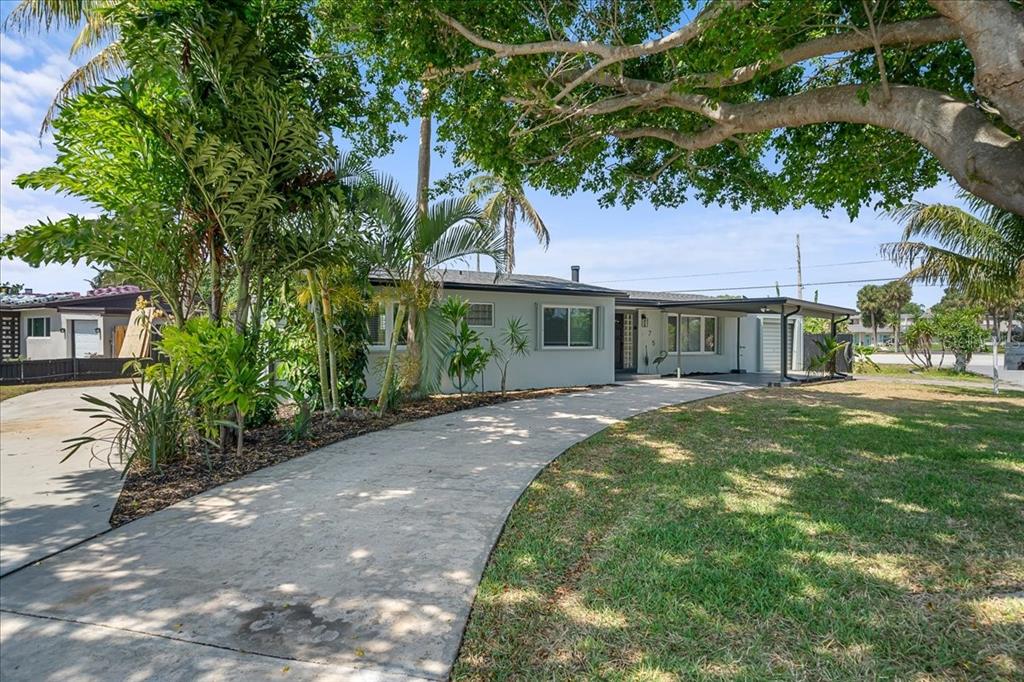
46, 505
356, 562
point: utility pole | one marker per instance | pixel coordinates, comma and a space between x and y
799, 271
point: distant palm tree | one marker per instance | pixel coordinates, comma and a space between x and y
979, 253
504, 203
98, 30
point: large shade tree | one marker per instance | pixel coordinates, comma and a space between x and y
769, 103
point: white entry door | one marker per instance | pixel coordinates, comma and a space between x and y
87, 338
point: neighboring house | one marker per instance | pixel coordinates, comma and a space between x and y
584, 334
65, 325
864, 336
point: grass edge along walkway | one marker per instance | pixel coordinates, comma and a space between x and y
845, 531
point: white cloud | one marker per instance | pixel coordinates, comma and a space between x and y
12, 49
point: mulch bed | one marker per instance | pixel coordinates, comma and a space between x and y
145, 491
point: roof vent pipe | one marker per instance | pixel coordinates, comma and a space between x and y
575, 273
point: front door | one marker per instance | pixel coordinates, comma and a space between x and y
625, 348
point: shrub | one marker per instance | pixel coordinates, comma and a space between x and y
466, 357
959, 332
152, 424
515, 342
234, 380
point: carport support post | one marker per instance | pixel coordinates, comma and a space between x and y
832, 326
738, 368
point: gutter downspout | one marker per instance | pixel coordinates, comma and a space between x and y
784, 339
739, 368
849, 349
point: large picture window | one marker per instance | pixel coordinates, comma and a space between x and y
692, 334
568, 327
38, 326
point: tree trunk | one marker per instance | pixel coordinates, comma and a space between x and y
389, 368
318, 326
423, 165
332, 360
995, 360
240, 420
242, 309
216, 293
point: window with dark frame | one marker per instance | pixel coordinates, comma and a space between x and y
38, 326
568, 327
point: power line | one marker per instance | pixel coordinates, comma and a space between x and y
769, 286
733, 272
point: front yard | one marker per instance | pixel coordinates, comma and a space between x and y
845, 531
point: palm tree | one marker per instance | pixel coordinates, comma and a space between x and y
505, 202
98, 31
978, 253
410, 247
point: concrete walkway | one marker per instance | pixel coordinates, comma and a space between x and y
355, 562
46, 505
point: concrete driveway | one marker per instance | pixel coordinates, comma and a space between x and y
357, 562
46, 505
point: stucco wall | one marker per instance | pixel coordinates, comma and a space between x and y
653, 339
58, 344
52, 347
543, 367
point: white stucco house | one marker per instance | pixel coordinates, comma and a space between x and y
583, 334
69, 325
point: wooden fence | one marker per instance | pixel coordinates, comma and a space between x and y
63, 369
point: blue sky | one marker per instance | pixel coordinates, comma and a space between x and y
683, 249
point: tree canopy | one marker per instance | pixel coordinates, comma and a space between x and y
769, 104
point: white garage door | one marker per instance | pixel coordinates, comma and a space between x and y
771, 349
87, 338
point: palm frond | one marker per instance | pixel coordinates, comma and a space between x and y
46, 15
105, 64
979, 254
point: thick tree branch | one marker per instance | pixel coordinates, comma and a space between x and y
905, 33
981, 158
617, 53
994, 33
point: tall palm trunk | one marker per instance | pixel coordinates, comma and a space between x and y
318, 326
413, 342
216, 291
389, 368
332, 360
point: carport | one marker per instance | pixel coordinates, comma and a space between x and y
784, 307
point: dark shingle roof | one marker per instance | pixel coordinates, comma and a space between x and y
471, 279
660, 297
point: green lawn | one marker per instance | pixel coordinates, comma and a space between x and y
862, 530
912, 371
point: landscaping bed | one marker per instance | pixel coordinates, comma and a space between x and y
855, 530
145, 491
